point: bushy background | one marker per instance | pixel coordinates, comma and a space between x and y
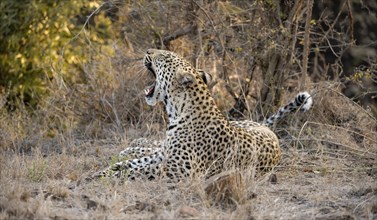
71, 97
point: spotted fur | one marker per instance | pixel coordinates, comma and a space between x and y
199, 139
303, 102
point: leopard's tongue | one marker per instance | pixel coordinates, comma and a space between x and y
149, 90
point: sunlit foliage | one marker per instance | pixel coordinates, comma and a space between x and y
39, 38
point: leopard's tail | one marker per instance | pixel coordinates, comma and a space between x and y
303, 102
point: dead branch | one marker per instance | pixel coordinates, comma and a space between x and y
177, 34
350, 16
305, 56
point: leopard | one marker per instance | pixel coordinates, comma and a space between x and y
200, 140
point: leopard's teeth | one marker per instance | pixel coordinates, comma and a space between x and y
146, 91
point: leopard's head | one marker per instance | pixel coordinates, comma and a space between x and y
173, 75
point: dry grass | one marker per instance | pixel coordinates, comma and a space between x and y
328, 171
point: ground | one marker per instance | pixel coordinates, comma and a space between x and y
328, 171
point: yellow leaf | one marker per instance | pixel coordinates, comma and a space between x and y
93, 4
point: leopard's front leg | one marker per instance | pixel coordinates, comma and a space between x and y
147, 167
141, 147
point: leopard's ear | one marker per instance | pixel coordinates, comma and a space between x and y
185, 77
207, 78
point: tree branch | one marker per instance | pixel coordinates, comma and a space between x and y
179, 33
305, 56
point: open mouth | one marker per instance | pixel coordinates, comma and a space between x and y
149, 91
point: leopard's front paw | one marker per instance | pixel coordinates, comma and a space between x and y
112, 171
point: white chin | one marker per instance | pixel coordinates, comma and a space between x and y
150, 101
